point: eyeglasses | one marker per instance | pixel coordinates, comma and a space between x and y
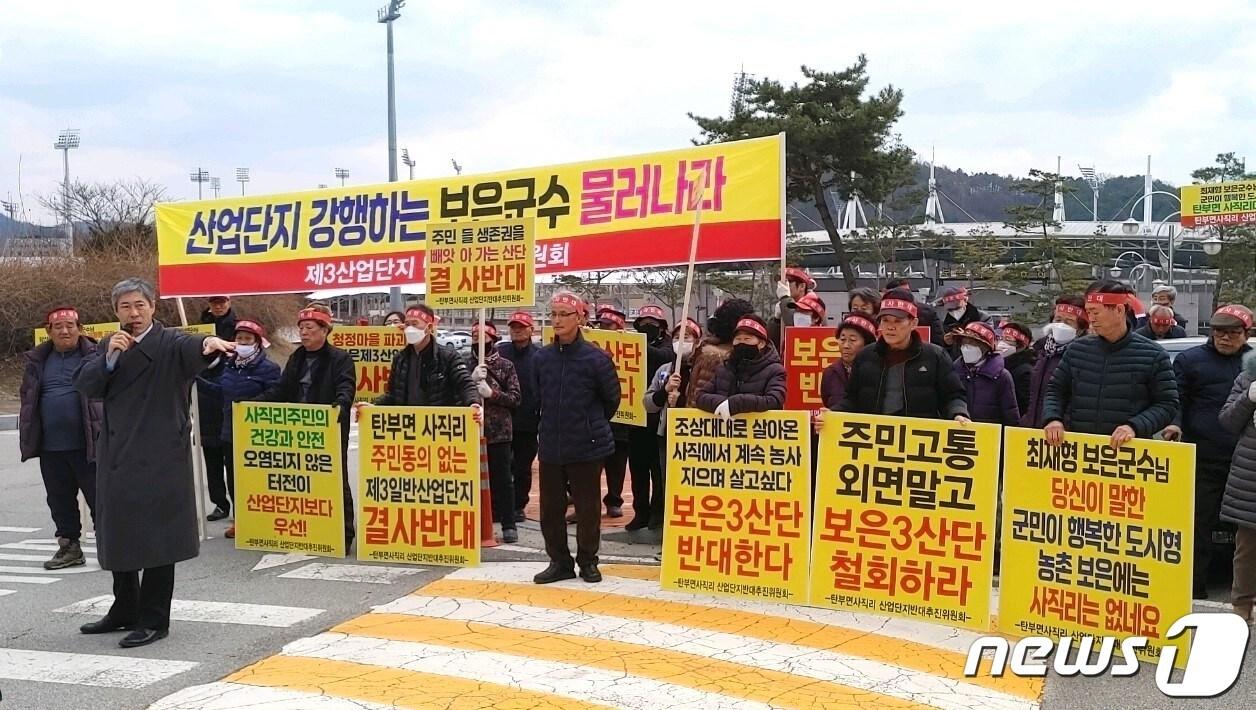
555, 316
1227, 332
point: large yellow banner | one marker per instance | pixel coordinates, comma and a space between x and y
627, 350
738, 505
419, 486
1222, 204
606, 214
1096, 541
289, 491
372, 349
100, 331
904, 521
481, 264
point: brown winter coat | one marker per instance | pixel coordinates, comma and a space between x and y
30, 425
707, 361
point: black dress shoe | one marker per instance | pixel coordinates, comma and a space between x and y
554, 573
590, 574
217, 515
143, 637
106, 625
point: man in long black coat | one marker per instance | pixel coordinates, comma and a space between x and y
145, 492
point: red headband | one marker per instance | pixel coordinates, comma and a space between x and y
311, 314
981, 331
796, 274
523, 318
249, 326
1231, 311
613, 317
486, 328
691, 325
1163, 321
63, 314
958, 295
811, 303
1108, 299
894, 304
1065, 309
564, 299
422, 315
652, 312
1016, 335
753, 326
859, 322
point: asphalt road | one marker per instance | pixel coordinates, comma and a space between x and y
235, 615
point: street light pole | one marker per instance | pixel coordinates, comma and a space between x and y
200, 177
68, 140
386, 16
242, 176
1130, 227
342, 173
408, 161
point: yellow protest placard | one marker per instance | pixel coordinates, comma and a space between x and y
419, 486
738, 505
372, 349
905, 518
1096, 541
100, 331
481, 264
1221, 204
598, 215
289, 491
627, 350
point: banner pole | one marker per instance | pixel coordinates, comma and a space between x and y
481, 344
198, 453
693, 258
784, 266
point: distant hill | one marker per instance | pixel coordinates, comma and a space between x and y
986, 197
13, 228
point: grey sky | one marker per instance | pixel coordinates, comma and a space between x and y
294, 89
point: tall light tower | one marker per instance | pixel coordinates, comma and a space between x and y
322, 186
342, 173
67, 141
457, 167
215, 184
386, 16
242, 176
409, 162
9, 206
200, 177
1092, 179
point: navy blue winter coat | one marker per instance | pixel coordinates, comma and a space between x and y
244, 384
578, 393
1204, 379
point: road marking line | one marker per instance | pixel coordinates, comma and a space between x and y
40, 570
87, 669
280, 559
947, 638
210, 612
838, 663
40, 546
608, 558
14, 579
19, 557
397, 688
351, 573
7, 529
6, 592
580, 680
231, 696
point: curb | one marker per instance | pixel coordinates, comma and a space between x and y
8, 422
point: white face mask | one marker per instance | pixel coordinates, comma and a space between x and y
245, 351
682, 348
1062, 332
1004, 348
802, 320
414, 336
970, 353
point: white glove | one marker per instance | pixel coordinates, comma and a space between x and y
1251, 392
782, 289
484, 389
479, 374
722, 411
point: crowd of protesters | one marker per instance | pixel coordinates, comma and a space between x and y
1095, 369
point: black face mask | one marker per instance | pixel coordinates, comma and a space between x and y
744, 353
651, 332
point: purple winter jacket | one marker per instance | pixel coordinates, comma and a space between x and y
1044, 368
991, 391
833, 384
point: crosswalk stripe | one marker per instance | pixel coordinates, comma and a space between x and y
618, 686
755, 625
351, 573
681, 669
230, 696
87, 669
41, 570
392, 686
18, 557
211, 612
49, 546
7, 529
14, 579
6, 592
754, 651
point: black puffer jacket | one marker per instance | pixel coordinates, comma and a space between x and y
753, 386
1238, 505
1204, 380
444, 380
1021, 365
334, 382
933, 390
1100, 386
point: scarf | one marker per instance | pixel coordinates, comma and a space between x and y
240, 363
1050, 348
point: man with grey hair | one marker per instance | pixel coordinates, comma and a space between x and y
1166, 295
1161, 325
145, 493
